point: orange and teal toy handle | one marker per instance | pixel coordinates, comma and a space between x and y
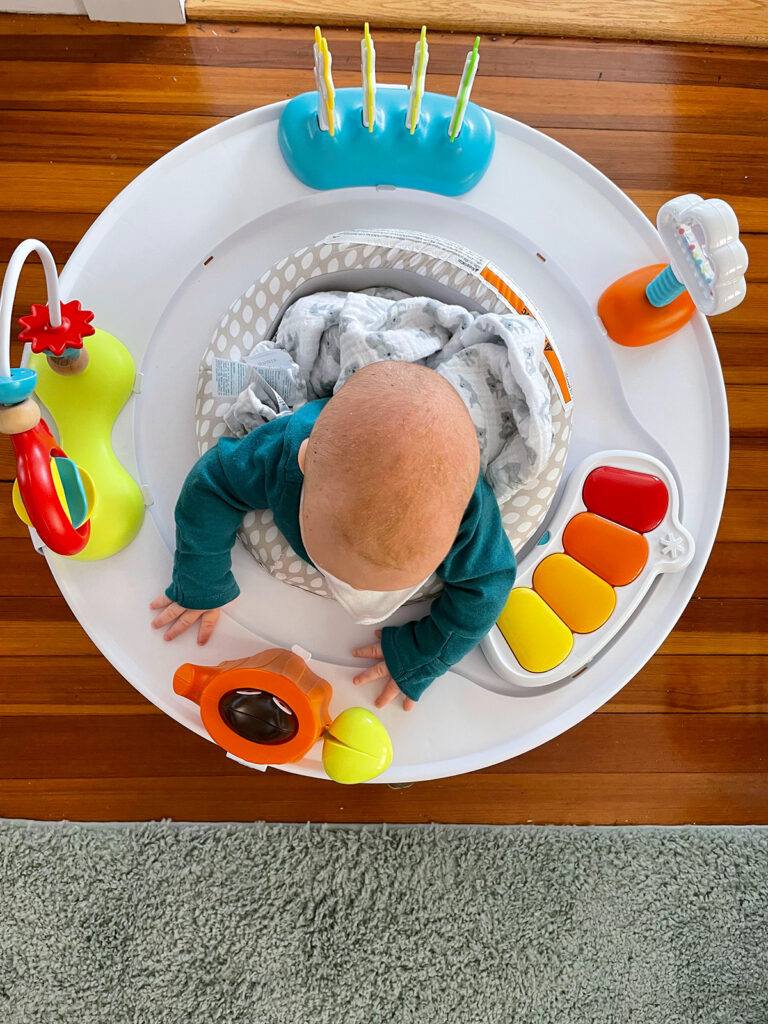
705, 271
664, 288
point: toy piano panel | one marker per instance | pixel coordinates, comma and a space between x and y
669, 548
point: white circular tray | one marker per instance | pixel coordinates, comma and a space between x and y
559, 229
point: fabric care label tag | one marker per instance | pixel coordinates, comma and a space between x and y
271, 367
229, 378
278, 370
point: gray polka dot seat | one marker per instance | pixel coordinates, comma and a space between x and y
413, 263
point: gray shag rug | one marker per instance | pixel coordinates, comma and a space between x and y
162, 923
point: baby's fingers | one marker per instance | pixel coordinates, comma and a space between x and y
190, 616
172, 611
378, 671
207, 625
388, 694
371, 651
160, 602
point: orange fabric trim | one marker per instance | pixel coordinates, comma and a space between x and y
519, 306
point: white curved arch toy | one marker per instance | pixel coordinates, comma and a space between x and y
190, 234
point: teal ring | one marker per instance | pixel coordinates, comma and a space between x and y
17, 387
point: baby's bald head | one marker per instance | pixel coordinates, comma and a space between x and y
389, 468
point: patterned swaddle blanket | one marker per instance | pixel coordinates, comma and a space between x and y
495, 361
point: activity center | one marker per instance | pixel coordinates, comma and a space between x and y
136, 354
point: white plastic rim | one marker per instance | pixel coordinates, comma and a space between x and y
539, 209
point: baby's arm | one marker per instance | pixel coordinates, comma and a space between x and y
478, 575
209, 512
228, 481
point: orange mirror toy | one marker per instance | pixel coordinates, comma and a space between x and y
267, 709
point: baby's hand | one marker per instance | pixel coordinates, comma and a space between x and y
380, 671
179, 619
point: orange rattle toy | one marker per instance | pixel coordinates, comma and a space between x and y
705, 271
267, 709
271, 709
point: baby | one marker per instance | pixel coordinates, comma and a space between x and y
378, 487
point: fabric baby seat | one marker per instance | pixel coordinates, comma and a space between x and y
389, 263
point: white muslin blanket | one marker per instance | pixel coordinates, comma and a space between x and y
495, 362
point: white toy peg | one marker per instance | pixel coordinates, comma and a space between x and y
418, 78
326, 93
368, 61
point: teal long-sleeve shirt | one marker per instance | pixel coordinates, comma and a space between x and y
261, 471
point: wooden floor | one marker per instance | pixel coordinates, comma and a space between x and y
83, 109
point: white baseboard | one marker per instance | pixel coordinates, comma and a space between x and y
159, 12
42, 6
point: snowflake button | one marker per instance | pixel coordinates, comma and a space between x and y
672, 545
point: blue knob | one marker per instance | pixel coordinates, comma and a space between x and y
17, 387
664, 288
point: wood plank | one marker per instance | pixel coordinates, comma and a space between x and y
752, 210
745, 517
68, 746
63, 188
64, 136
32, 685
620, 744
716, 626
10, 524
733, 570
60, 231
44, 625
751, 316
674, 163
223, 91
673, 799
723, 685
757, 247
748, 403
689, 21
25, 572
749, 465
288, 46
737, 352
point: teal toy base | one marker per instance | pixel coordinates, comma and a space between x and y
389, 155
17, 387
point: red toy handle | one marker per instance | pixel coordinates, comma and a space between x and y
34, 450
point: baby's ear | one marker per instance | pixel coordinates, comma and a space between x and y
303, 453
